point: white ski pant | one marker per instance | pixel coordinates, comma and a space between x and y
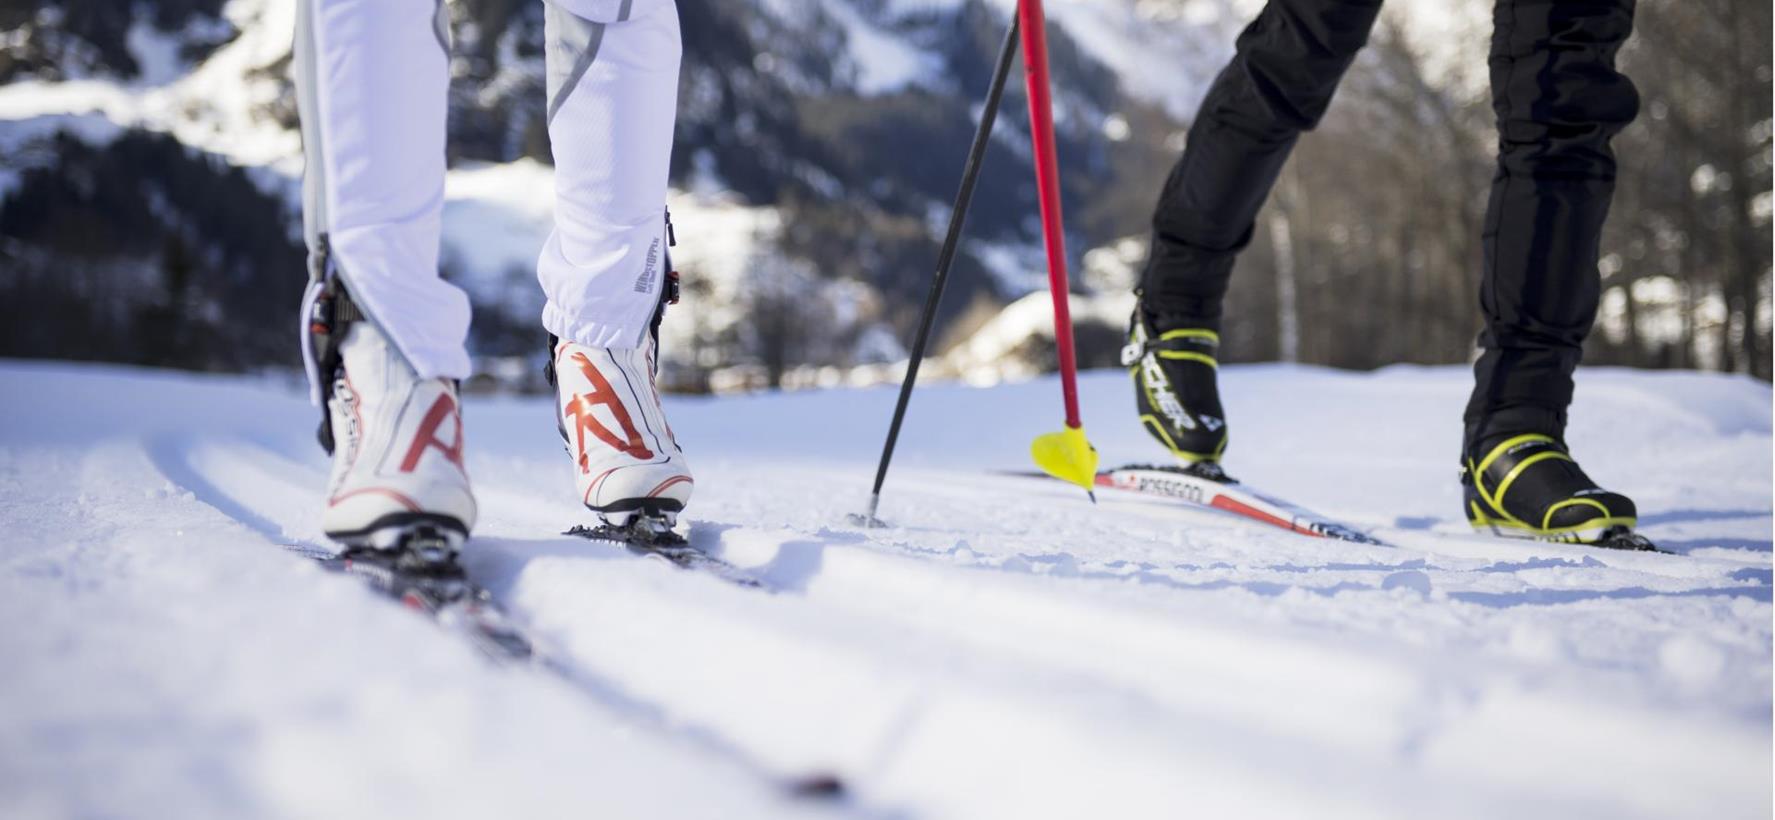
372, 79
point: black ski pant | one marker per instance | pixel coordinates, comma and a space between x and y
1559, 101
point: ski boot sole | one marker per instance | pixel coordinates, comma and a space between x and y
428, 538
1607, 532
659, 514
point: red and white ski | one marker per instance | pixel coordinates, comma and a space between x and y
1206, 485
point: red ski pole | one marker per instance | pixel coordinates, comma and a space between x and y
1066, 455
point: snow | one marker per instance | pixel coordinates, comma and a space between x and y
28, 142
1016, 268
156, 53
1006, 650
497, 216
987, 357
884, 62
223, 106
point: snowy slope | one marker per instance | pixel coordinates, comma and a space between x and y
220, 106
1007, 650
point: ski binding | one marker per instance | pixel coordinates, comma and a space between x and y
423, 575
652, 536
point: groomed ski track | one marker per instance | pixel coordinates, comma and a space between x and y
1004, 650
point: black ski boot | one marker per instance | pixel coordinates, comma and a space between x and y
1528, 486
1174, 367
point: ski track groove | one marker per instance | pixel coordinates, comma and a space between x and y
1007, 650
1000, 626
205, 467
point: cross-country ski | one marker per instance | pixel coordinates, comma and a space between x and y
441, 591
1205, 484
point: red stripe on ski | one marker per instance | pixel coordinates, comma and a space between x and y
1222, 502
1230, 497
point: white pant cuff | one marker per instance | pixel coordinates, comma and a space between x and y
591, 333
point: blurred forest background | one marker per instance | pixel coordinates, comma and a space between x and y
148, 171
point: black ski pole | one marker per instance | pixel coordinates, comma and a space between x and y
957, 218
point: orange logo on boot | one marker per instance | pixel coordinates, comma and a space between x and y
580, 408
444, 407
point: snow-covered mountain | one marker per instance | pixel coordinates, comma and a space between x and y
818, 146
1007, 649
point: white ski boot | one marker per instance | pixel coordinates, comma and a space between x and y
398, 476
626, 462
